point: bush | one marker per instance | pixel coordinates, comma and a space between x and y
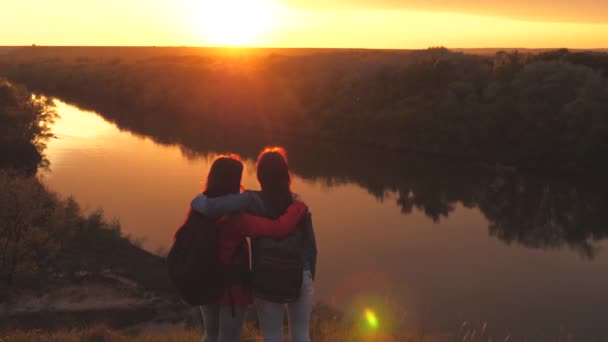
43, 237
32, 227
24, 127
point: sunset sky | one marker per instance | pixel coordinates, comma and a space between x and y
308, 23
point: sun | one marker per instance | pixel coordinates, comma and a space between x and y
234, 22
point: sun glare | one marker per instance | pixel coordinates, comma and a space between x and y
235, 22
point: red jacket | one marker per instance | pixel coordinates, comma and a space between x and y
233, 231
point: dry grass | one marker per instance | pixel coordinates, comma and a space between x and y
99, 333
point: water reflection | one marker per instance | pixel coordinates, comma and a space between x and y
436, 266
537, 212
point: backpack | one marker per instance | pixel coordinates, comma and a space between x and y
193, 262
278, 267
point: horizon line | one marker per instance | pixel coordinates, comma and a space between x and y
304, 47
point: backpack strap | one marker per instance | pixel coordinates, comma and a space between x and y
232, 274
232, 306
229, 283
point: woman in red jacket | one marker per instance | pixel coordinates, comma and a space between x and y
224, 320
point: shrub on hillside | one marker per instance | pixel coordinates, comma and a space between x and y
24, 127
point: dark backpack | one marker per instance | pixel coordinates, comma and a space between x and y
278, 267
193, 261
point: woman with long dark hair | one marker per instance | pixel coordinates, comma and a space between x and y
223, 321
271, 202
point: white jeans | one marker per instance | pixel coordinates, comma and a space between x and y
271, 315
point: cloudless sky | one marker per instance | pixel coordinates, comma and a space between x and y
308, 23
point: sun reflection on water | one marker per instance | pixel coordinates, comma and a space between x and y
73, 123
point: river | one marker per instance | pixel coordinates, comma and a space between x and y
401, 244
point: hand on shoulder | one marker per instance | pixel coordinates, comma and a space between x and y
297, 197
299, 206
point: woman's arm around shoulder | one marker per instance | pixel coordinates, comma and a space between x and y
256, 226
219, 206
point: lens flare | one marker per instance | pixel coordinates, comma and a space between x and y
371, 318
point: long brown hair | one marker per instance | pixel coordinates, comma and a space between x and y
224, 176
273, 175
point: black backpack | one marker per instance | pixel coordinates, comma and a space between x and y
193, 261
278, 267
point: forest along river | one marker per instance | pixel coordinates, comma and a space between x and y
409, 268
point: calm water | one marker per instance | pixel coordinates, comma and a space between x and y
419, 247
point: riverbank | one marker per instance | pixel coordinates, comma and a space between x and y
63, 268
250, 333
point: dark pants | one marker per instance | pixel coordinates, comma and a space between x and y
220, 325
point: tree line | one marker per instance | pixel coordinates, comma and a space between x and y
535, 111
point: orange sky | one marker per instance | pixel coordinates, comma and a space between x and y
308, 23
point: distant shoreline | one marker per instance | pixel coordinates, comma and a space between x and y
471, 50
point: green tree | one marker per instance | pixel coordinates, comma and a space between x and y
24, 127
